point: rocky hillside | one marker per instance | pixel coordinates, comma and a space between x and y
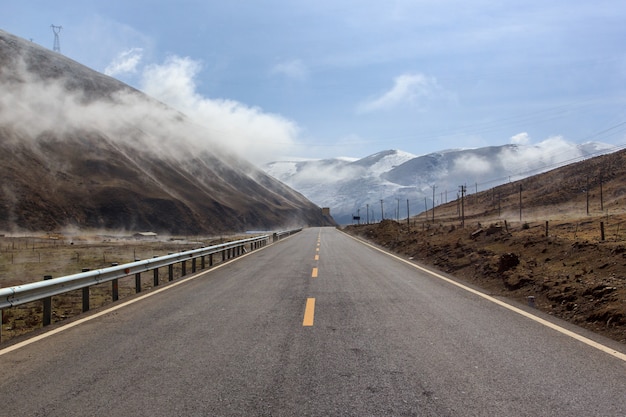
80, 149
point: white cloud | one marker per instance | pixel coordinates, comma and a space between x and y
520, 139
248, 131
48, 106
294, 69
472, 165
548, 153
407, 89
125, 63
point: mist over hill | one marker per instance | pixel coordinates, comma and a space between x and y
80, 149
357, 187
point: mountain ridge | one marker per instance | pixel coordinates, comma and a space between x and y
382, 181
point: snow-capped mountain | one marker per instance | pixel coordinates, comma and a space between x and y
383, 182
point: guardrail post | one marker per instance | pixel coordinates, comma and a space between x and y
210, 260
202, 262
183, 266
47, 306
115, 289
170, 272
223, 255
155, 275
193, 265
138, 282
85, 295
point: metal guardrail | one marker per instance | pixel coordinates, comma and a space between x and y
21, 294
281, 235
45, 290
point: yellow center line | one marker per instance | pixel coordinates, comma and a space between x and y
314, 273
309, 312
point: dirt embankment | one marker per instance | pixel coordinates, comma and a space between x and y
571, 272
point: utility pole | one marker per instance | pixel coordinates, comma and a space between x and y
398, 211
601, 196
57, 43
520, 202
408, 216
587, 192
368, 213
462, 188
382, 211
434, 186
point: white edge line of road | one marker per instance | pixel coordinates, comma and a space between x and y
123, 304
583, 339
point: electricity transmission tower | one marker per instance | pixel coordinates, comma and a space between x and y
57, 43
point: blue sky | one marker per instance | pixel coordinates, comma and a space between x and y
278, 79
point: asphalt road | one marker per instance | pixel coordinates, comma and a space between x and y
316, 325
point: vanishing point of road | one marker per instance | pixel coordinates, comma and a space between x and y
319, 324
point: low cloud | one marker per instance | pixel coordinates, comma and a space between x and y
125, 63
520, 139
32, 106
248, 131
472, 166
406, 89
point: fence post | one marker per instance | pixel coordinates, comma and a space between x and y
47, 306
547, 229
602, 231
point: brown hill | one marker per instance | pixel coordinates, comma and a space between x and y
568, 255
80, 149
